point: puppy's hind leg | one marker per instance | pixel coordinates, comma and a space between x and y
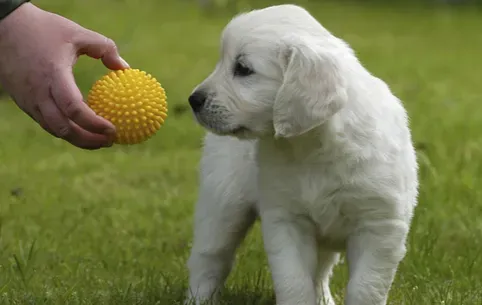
326, 262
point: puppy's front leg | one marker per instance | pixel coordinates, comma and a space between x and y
373, 254
221, 223
291, 247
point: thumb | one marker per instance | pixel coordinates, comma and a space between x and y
98, 46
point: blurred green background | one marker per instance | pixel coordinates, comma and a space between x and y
114, 226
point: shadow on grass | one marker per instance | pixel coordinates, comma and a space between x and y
158, 289
174, 295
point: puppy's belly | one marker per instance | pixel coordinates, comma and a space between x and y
333, 231
332, 227
233, 160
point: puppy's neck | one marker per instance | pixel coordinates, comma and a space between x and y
304, 147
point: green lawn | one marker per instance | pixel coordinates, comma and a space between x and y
114, 226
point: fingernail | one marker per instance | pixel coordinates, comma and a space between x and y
110, 142
124, 63
110, 133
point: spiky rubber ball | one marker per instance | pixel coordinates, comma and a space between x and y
133, 101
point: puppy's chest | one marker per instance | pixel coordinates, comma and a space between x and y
308, 193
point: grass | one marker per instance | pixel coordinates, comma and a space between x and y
114, 226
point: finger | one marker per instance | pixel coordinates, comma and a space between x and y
69, 101
98, 46
88, 140
54, 120
37, 117
62, 128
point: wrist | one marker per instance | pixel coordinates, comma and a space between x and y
14, 17
9, 6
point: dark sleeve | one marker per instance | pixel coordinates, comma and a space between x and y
8, 6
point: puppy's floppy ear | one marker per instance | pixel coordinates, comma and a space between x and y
313, 88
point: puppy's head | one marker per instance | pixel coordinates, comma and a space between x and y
280, 73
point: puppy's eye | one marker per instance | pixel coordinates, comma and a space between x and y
241, 69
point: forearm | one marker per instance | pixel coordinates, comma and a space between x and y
8, 6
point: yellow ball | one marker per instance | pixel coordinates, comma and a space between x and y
133, 101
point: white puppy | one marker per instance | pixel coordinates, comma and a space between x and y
303, 136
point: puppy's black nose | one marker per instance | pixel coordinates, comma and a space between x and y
197, 100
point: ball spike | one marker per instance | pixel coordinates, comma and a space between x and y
127, 97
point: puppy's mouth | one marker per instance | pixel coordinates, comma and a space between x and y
240, 130
237, 131
221, 128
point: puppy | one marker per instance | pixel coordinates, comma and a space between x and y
302, 136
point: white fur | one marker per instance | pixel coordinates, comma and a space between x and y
314, 145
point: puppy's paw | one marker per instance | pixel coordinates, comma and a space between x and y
198, 301
326, 302
325, 299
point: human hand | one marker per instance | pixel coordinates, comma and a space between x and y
38, 51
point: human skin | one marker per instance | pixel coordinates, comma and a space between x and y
38, 51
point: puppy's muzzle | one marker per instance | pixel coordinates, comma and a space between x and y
197, 100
